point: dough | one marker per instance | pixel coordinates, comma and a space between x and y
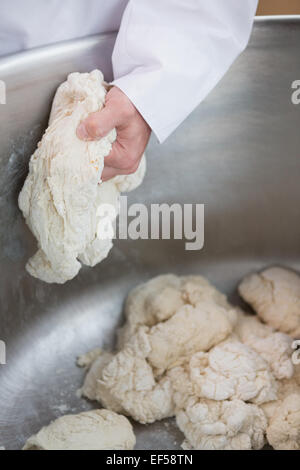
221, 425
61, 195
283, 432
126, 383
273, 346
285, 388
159, 299
232, 370
166, 329
283, 415
149, 303
212, 424
190, 330
91, 430
275, 295
184, 351
92, 388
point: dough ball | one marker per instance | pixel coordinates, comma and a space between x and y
283, 432
275, 295
91, 430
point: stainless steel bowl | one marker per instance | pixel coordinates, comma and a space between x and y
238, 153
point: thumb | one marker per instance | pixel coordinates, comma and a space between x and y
97, 125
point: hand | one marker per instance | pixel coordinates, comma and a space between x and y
133, 133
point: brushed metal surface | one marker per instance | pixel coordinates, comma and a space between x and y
238, 153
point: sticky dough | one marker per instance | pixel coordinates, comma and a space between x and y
91, 430
61, 196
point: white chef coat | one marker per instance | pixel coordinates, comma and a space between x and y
168, 56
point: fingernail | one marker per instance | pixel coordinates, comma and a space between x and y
82, 132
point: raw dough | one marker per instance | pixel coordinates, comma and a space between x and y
232, 370
191, 329
283, 415
126, 384
283, 432
185, 351
62, 194
211, 424
91, 430
221, 425
92, 389
275, 296
134, 380
162, 297
271, 345
149, 303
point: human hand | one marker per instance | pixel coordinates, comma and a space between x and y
133, 133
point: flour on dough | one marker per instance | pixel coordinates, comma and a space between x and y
91, 430
61, 196
185, 351
163, 329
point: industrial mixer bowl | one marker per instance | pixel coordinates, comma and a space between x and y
238, 154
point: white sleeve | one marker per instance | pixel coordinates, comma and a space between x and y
170, 54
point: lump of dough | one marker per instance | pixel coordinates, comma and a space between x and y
162, 330
86, 360
232, 370
133, 381
275, 295
221, 425
127, 384
191, 329
285, 388
91, 430
61, 196
196, 289
160, 299
187, 352
211, 424
90, 387
149, 303
274, 347
283, 432
283, 414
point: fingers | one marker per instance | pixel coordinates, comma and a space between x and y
120, 161
133, 133
97, 125
109, 173
123, 158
